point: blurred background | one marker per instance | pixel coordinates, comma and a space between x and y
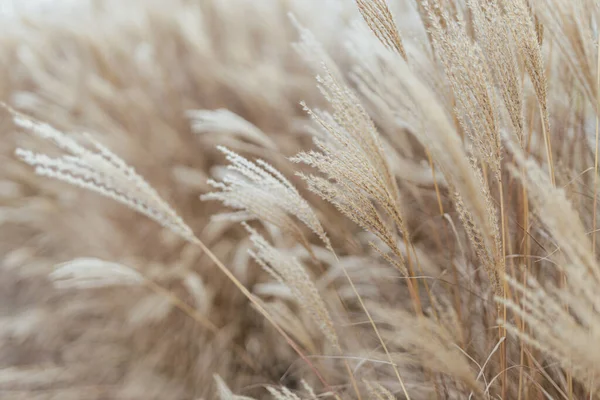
128, 72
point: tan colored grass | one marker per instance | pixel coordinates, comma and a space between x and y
433, 238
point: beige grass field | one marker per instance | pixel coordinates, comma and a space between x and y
299, 199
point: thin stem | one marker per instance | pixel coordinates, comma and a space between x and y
196, 316
502, 331
596, 156
546, 134
374, 326
352, 379
260, 308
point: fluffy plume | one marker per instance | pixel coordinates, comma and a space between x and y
528, 44
292, 274
225, 122
91, 273
470, 81
439, 243
356, 171
259, 191
493, 33
379, 18
98, 170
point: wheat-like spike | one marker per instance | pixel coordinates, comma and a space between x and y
227, 122
94, 273
378, 16
105, 173
524, 32
260, 191
493, 243
425, 114
479, 243
358, 207
352, 139
493, 34
469, 79
100, 171
289, 271
417, 104
353, 163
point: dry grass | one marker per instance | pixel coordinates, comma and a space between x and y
418, 222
